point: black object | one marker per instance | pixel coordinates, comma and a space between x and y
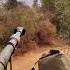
33, 68
54, 52
23, 32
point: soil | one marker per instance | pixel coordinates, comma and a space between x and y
26, 61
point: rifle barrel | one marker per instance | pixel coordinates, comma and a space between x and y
9, 48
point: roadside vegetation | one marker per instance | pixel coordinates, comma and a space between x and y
60, 10
38, 28
40, 23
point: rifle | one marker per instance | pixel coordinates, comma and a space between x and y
7, 52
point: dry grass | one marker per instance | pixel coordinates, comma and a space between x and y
35, 22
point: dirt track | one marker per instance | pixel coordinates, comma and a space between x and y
26, 61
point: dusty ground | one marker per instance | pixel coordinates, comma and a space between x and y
26, 61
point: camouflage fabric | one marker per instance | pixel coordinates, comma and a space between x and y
54, 62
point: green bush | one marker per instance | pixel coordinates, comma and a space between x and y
61, 16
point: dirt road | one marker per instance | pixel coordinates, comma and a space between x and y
26, 61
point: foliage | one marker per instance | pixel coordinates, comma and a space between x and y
10, 19
10, 4
38, 28
61, 18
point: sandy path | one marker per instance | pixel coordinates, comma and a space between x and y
26, 61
